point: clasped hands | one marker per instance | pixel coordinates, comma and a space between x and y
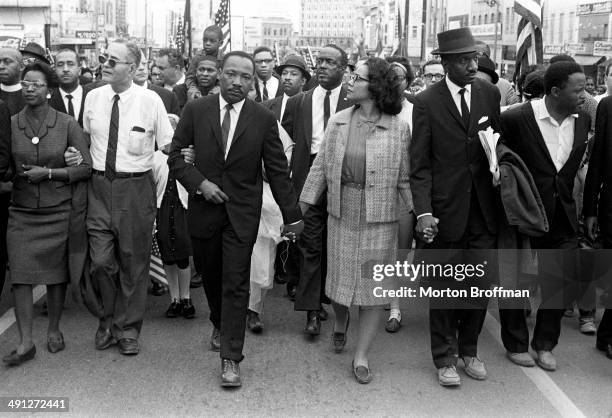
427, 228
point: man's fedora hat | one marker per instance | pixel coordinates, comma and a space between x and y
34, 50
294, 61
455, 41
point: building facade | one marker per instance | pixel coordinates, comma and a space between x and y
329, 21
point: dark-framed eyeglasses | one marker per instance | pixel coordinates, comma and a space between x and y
354, 77
104, 58
436, 76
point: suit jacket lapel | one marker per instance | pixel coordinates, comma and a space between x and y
57, 102
475, 107
448, 101
532, 126
244, 120
213, 114
342, 102
581, 132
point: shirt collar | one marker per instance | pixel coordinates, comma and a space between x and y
123, 96
542, 111
10, 89
237, 106
333, 91
76, 92
454, 89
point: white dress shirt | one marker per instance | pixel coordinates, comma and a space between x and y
234, 115
601, 96
318, 126
283, 105
272, 87
77, 98
559, 139
10, 89
454, 90
138, 108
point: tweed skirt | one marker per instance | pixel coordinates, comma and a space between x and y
37, 242
353, 246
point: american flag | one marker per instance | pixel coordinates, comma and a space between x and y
529, 49
156, 267
180, 36
222, 20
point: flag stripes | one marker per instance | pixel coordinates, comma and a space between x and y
222, 20
529, 47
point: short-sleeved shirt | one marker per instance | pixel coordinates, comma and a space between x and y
142, 122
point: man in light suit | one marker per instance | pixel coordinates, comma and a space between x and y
305, 120
231, 136
454, 197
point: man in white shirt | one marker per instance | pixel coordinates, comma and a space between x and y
123, 122
267, 85
293, 75
550, 136
170, 63
70, 96
608, 80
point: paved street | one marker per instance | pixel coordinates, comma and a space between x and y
286, 374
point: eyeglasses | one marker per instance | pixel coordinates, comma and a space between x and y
36, 84
354, 77
110, 61
436, 76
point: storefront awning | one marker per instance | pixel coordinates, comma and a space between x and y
588, 60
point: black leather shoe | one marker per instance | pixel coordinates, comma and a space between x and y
196, 281
188, 308
14, 359
104, 338
56, 344
313, 323
339, 338
323, 314
215, 340
230, 373
606, 348
254, 323
158, 289
129, 346
174, 310
291, 290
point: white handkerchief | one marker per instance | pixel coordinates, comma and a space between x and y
483, 119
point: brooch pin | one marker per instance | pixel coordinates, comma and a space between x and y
35, 140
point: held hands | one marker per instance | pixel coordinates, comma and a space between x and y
212, 192
293, 231
72, 157
591, 227
427, 228
188, 154
193, 93
34, 174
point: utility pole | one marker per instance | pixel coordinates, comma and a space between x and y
494, 3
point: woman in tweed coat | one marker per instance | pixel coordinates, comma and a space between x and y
363, 165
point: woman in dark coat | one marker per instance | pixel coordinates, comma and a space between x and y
39, 215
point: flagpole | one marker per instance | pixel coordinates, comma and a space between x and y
229, 22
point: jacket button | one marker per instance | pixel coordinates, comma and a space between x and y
371, 185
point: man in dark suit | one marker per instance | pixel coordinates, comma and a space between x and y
231, 136
550, 137
5, 138
170, 100
305, 120
293, 75
597, 208
267, 83
453, 194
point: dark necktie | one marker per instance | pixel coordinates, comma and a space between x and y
465, 112
326, 108
113, 135
265, 92
70, 107
225, 126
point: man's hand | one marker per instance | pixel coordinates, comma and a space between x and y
293, 231
193, 93
212, 192
34, 174
72, 157
591, 227
427, 228
188, 154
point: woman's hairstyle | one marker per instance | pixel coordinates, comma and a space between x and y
384, 86
50, 76
404, 64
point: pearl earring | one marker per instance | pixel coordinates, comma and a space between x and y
48, 96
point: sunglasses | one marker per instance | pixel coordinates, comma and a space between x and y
36, 84
104, 58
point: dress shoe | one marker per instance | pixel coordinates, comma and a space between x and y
475, 368
313, 323
56, 344
522, 359
393, 324
230, 373
339, 338
546, 360
291, 291
14, 359
175, 309
606, 348
188, 308
129, 346
44, 310
104, 338
323, 314
215, 340
196, 281
158, 289
587, 325
448, 376
362, 373
254, 323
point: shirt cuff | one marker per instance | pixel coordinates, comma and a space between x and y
294, 223
423, 214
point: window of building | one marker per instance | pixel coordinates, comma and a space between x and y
570, 35
479, 19
551, 28
561, 37
486, 19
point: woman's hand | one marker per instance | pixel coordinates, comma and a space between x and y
34, 174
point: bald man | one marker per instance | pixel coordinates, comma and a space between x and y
10, 77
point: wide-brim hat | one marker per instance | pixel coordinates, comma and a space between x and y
455, 41
32, 48
294, 61
487, 66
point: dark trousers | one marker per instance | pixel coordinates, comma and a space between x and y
310, 292
287, 262
604, 331
226, 264
455, 324
120, 217
5, 201
557, 263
